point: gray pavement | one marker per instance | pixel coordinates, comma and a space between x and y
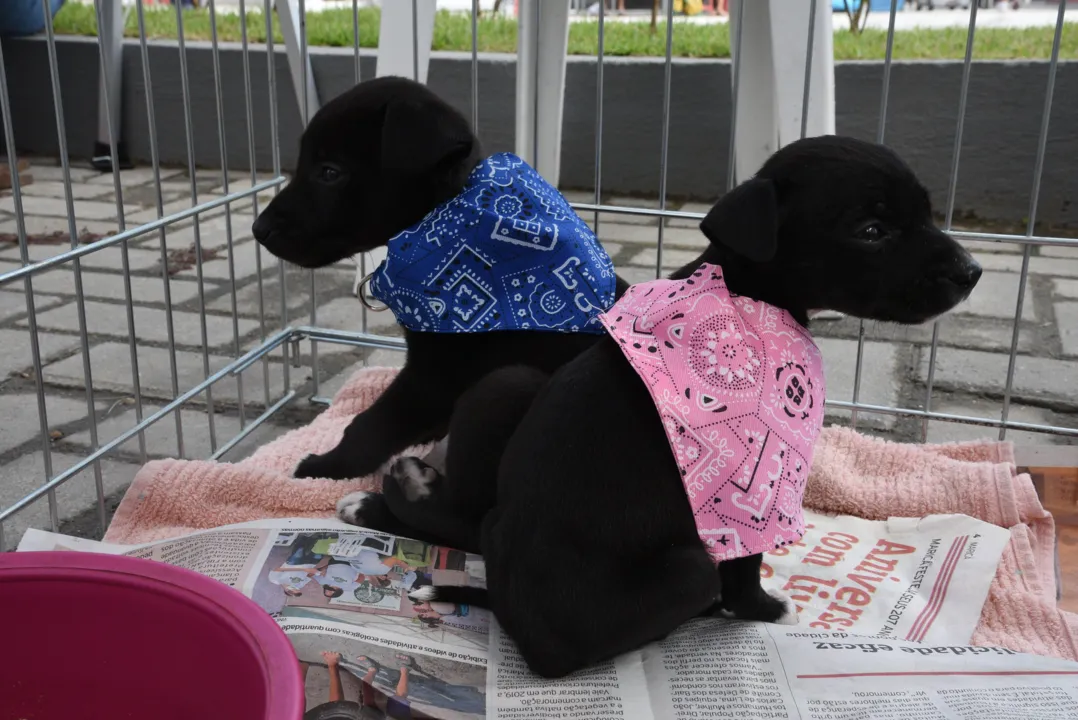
969, 376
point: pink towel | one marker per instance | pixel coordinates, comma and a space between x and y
857, 475
851, 474
169, 498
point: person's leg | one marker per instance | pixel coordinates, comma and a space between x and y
370, 695
402, 685
336, 689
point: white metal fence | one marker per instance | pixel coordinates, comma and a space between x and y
278, 342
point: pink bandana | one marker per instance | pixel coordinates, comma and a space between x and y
739, 386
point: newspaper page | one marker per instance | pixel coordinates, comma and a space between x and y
340, 594
903, 578
728, 670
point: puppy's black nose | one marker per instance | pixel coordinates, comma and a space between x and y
965, 274
261, 227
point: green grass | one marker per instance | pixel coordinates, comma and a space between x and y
499, 34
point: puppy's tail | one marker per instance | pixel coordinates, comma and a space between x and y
456, 594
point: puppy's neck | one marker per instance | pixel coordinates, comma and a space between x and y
746, 278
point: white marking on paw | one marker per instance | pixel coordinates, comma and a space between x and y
350, 507
726, 614
424, 594
789, 615
414, 478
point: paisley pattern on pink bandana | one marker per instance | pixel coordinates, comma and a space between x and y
739, 387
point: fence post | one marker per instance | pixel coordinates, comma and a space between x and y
772, 57
289, 18
404, 37
111, 38
542, 43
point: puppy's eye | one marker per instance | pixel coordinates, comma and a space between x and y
871, 232
329, 174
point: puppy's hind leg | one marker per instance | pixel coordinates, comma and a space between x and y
745, 599
369, 510
417, 494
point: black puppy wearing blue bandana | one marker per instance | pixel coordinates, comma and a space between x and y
487, 267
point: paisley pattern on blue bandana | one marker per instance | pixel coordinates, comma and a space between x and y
508, 253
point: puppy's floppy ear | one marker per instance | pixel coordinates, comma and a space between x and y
418, 136
746, 220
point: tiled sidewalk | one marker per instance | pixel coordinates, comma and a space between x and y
969, 378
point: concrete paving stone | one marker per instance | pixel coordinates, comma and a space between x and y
238, 185
685, 237
1056, 267
78, 494
672, 259
996, 295
612, 248
643, 235
151, 324
161, 437
1059, 251
135, 176
111, 366
42, 225
978, 371
579, 196
109, 258
13, 304
940, 431
999, 261
212, 231
990, 246
15, 351
150, 214
111, 287
54, 189
634, 275
48, 170
1066, 288
245, 262
693, 207
20, 423
1067, 322
630, 202
247, 298
345, 314
57, 207
879, 381
379, 358
965, 331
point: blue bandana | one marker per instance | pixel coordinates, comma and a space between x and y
507, 253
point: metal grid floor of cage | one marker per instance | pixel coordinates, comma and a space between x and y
154, 325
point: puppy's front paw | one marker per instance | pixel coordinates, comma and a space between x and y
769, 606
359, 508
415, 477
789, 612
319, 466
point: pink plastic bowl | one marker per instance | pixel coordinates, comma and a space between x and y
104, 637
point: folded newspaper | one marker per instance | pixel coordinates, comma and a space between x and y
886, 610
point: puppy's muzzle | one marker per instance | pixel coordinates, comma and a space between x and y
963, 275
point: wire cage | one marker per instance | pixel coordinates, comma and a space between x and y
221, 377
